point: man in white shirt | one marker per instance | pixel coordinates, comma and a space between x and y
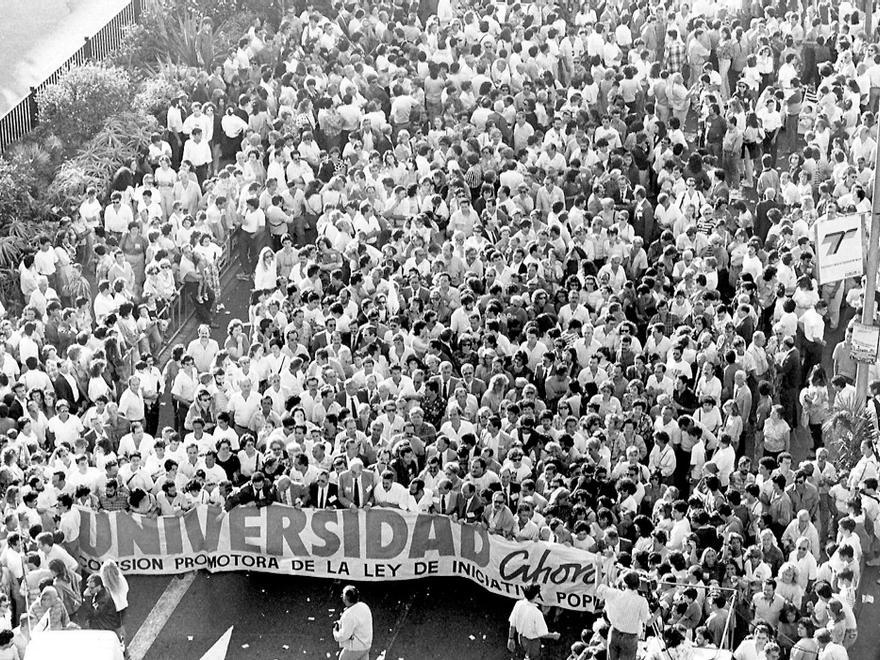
131, 403
662, 457
243, 405
64, 427
198, 152
70, 521
525, 528
627, 611
389, 493
117, 216
658, 382
170, 501
354, 630
681, 526
203, 349
813, 322
527, 625
420, 499
829, 650
253, 225
134, 475
49, 550
303, 472
196, 119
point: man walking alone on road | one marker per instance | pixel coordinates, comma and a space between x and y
527, 625
354, 630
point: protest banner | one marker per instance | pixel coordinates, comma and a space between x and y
372, 544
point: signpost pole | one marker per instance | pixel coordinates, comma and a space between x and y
873, 243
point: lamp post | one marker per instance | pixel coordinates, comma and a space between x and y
873, 244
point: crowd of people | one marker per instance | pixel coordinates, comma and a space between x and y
542, 267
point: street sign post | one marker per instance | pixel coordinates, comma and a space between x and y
840, 243
865, 343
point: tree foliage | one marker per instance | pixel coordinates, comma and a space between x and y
849, 425
168, 32
166, 83
120, 141
83, 98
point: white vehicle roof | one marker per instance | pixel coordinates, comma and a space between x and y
74, 645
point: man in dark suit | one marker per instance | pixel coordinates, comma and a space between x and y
323, 494
763, 209
258, 492
446, 381
355, 485
351, 397
508, 487
56, 332
415, 295
375, 92
719, 193
543, 372
470, 509
473, 385
289, 492
743, 323
790, 380
442, 450
66, 387
615, 543
323, 338
643, 216
17, 401
447, 500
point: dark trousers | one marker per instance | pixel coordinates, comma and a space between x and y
788, 401
681, 476
151, 418
247, 251
180, 412
529, 648
175, 141
816, 434
201, 173
204, 307
622, 646
202, 304
791, 132
812, 357
299, 230
771, 146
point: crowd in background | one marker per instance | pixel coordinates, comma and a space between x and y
542, 267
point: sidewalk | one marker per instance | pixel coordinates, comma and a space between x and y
235, 296
867, 646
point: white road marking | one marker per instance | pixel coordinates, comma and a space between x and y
220, 648
398, 626
159, 615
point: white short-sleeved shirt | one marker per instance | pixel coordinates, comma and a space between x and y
527, 619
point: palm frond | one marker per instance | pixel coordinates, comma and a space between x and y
849, 425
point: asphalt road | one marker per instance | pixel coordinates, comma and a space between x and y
286, 617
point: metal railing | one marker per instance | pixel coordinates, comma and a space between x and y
24, 116
179, 309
